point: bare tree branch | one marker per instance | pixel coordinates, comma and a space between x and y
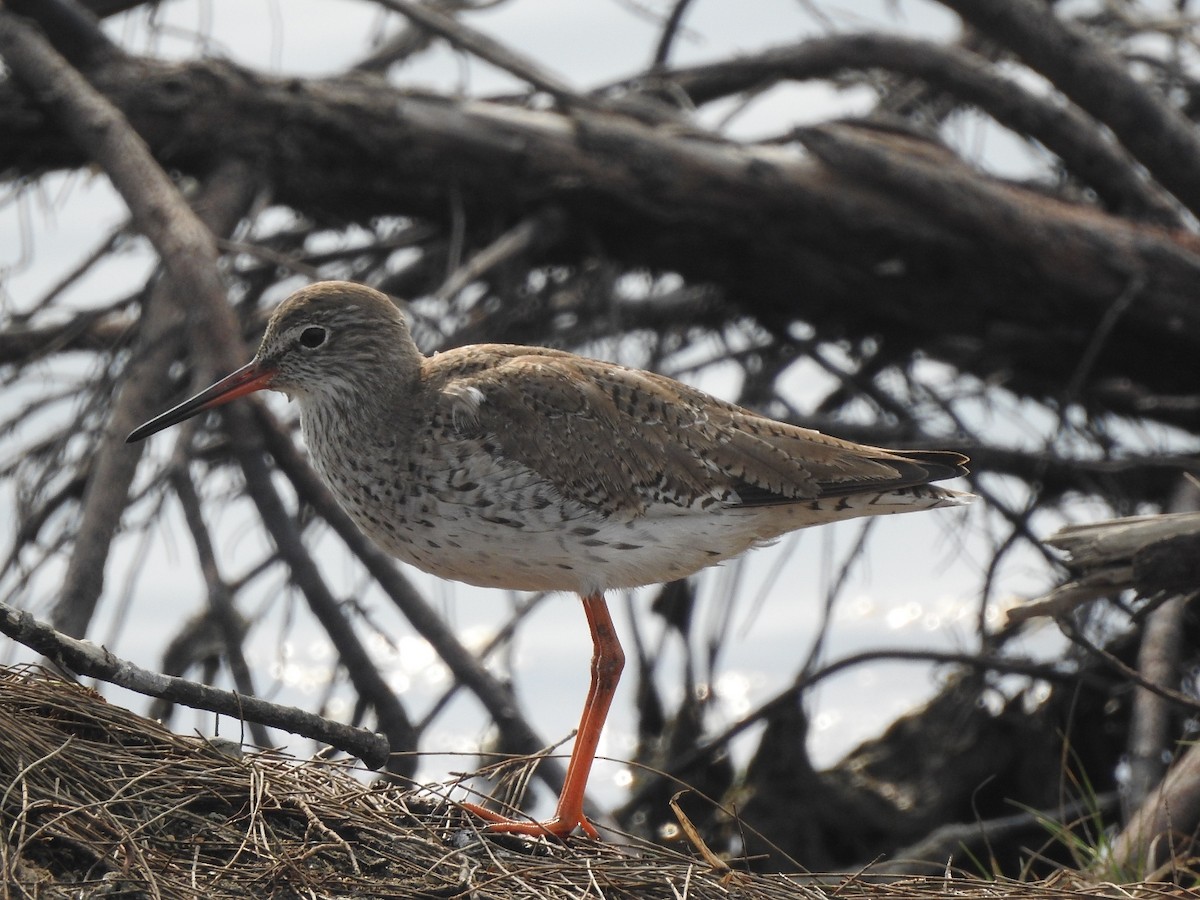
757, 220
188, 252
1093, 76
1062, 128
86, 658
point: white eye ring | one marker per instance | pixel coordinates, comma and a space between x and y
312, 337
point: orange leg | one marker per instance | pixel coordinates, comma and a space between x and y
607, 662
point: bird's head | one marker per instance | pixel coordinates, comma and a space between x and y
330, 342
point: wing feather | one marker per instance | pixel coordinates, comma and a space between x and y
621, 439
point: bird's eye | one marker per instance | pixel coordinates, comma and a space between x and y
313, 336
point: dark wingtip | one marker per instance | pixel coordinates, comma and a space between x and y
939, 465
911, 468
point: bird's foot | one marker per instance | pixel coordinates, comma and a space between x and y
558, 827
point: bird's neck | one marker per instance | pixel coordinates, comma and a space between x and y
348, 413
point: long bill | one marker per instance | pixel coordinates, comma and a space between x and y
253, 376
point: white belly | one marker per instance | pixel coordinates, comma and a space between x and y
461, 514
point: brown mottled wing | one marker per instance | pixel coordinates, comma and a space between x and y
622, 439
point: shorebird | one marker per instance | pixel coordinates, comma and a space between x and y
533, 469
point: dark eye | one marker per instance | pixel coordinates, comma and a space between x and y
313, 336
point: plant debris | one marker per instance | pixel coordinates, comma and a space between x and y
100, 802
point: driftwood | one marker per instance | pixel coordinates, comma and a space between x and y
99, 801
1155, 557
1149, 554
851, 226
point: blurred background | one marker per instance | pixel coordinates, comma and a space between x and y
966, 226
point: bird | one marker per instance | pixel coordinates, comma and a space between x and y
534, 469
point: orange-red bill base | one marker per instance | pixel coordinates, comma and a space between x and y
249, 378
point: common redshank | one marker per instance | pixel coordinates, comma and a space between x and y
533, 469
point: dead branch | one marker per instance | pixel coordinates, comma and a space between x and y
758, 220
1095, 77
188, 253
966, 76
93, 661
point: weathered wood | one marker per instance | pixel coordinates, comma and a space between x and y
884, 234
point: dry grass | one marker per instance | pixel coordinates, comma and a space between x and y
98, 801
